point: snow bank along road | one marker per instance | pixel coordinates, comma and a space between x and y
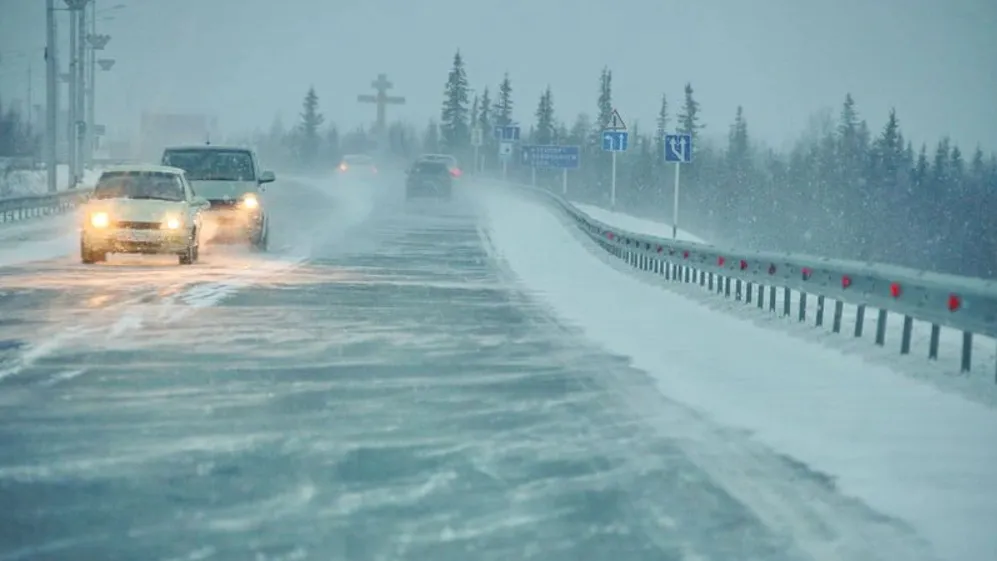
416, 381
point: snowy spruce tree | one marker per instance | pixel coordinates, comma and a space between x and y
485, 120
502, 111
688, 119
309, 141
659, 139
455, 133
431, 138
545, 129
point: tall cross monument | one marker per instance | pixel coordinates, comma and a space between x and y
382, 99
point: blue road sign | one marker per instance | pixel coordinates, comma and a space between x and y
615, 141
678, 148
549, 156
507, 134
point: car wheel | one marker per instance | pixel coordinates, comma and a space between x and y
187, 257
89, 255
262, 242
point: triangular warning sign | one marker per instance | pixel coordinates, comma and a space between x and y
616, 123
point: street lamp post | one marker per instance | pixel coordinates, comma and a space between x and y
51, 98
97, 43
76, 128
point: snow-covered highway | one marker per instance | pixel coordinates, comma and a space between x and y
448, 381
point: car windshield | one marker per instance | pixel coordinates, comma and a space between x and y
212, 165
139, 185
358, 160
425, 168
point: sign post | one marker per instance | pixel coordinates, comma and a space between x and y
552, 157
678, 150
476, 141
507, 137
615, 139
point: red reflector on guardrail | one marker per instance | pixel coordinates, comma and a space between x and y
895, 290
807, 271
685, 255
846, 281
720, 261
954, 302
771, 269
744, 264
609, 235
660, 249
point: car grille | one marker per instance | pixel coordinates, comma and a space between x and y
138, 225
221, 203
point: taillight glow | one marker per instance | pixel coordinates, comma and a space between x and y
342, 167
895, 290
455, 172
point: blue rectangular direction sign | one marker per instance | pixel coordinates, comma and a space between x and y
550, 156
507, 134
678, 148
615, 141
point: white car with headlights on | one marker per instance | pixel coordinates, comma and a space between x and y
142, 209
231, 180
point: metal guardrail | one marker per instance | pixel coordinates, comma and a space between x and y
31, 206
962, 303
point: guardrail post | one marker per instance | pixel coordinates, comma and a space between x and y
881, 327
859, 320
772, 298
787, 301
936, 331
839, 311
748, 292
820, 311
803, 307
967, 351
761, 297
905, 335
727, 287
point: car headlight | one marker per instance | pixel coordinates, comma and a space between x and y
100, 220
173, 223
250, 201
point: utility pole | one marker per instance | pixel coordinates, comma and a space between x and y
77, 49
81, 92
92, 66
71, 102
96, 43
51, 98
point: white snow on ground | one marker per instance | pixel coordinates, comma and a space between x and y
635, 225
901, 446
978, 384
18, 183
38, 239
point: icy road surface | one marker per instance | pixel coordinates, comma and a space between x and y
377, 387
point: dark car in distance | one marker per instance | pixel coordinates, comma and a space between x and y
429, 179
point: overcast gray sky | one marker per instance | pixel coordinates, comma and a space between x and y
249, 60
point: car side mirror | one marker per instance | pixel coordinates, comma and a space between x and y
267, 177
200, 202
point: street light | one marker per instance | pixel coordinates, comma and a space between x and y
97, 42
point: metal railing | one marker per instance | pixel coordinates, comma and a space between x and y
32, 206
966, 304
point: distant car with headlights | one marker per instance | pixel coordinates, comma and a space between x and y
358, 165
450, 161
231, 180
142, 209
